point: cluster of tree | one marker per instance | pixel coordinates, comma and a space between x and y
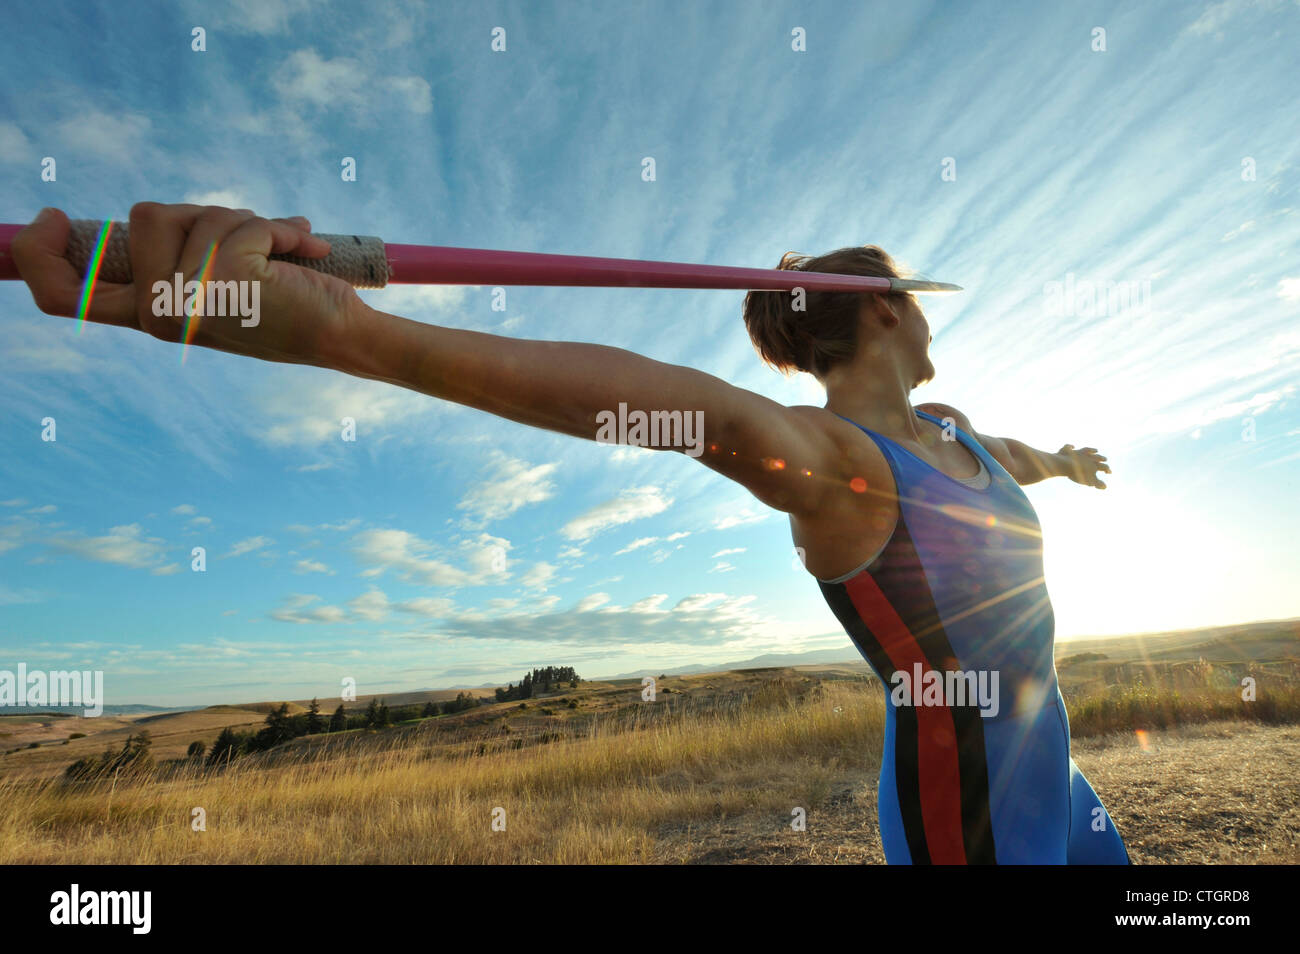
281, 726
539, 680
132, 758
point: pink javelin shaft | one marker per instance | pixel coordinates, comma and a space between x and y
445, 265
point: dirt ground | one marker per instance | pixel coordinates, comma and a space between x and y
1224, 793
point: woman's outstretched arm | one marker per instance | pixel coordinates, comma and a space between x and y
310, 318
1026, 464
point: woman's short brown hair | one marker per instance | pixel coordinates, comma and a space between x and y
826, 331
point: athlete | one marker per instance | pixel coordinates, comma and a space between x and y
913, 524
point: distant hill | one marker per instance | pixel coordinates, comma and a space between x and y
1270, 639
132, 709
847, 653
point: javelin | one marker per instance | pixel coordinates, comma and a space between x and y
369, 262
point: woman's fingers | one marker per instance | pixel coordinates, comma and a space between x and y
297, 221
157, 239
56, 287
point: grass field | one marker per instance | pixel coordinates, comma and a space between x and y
709, 772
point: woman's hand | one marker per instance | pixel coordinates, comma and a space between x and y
1082, 466
302, 316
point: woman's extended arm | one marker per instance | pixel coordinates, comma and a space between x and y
1026, 464
785, 456
576, 388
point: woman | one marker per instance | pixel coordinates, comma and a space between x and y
912, 523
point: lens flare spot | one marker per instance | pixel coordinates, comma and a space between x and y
773, 463
1143, 742
858, 485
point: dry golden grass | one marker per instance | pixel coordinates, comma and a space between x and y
698, 780
591, 800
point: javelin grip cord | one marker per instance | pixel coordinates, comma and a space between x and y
357, 259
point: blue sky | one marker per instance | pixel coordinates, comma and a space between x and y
380, 559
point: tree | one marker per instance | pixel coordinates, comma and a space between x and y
279, 728
226, 747
339, 720
314, 722
195, 751
372, 713
430, 709
384, 718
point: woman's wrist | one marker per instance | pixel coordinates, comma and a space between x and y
358, 348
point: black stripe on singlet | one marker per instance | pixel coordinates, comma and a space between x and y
901, 579
904, 584
906, 771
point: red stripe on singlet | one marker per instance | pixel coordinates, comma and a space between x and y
939, 773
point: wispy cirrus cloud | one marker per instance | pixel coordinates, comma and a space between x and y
633, 504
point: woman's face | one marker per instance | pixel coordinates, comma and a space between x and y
916, 337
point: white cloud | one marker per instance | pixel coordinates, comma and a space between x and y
299, 609
633, 504
312, 566
125, 546
421, 302
636, 545
539, 577
428, 606
1192, 417
307, 413
481, 559
626, 452
263, 17
589, 603
741, 517
116, 136
1288, 289
184, 508
698, 620
44, 348
229, 198
512, 484
343, 525
306, 77
249, 545
1213, 17
727, 552
371, 605
14, 145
